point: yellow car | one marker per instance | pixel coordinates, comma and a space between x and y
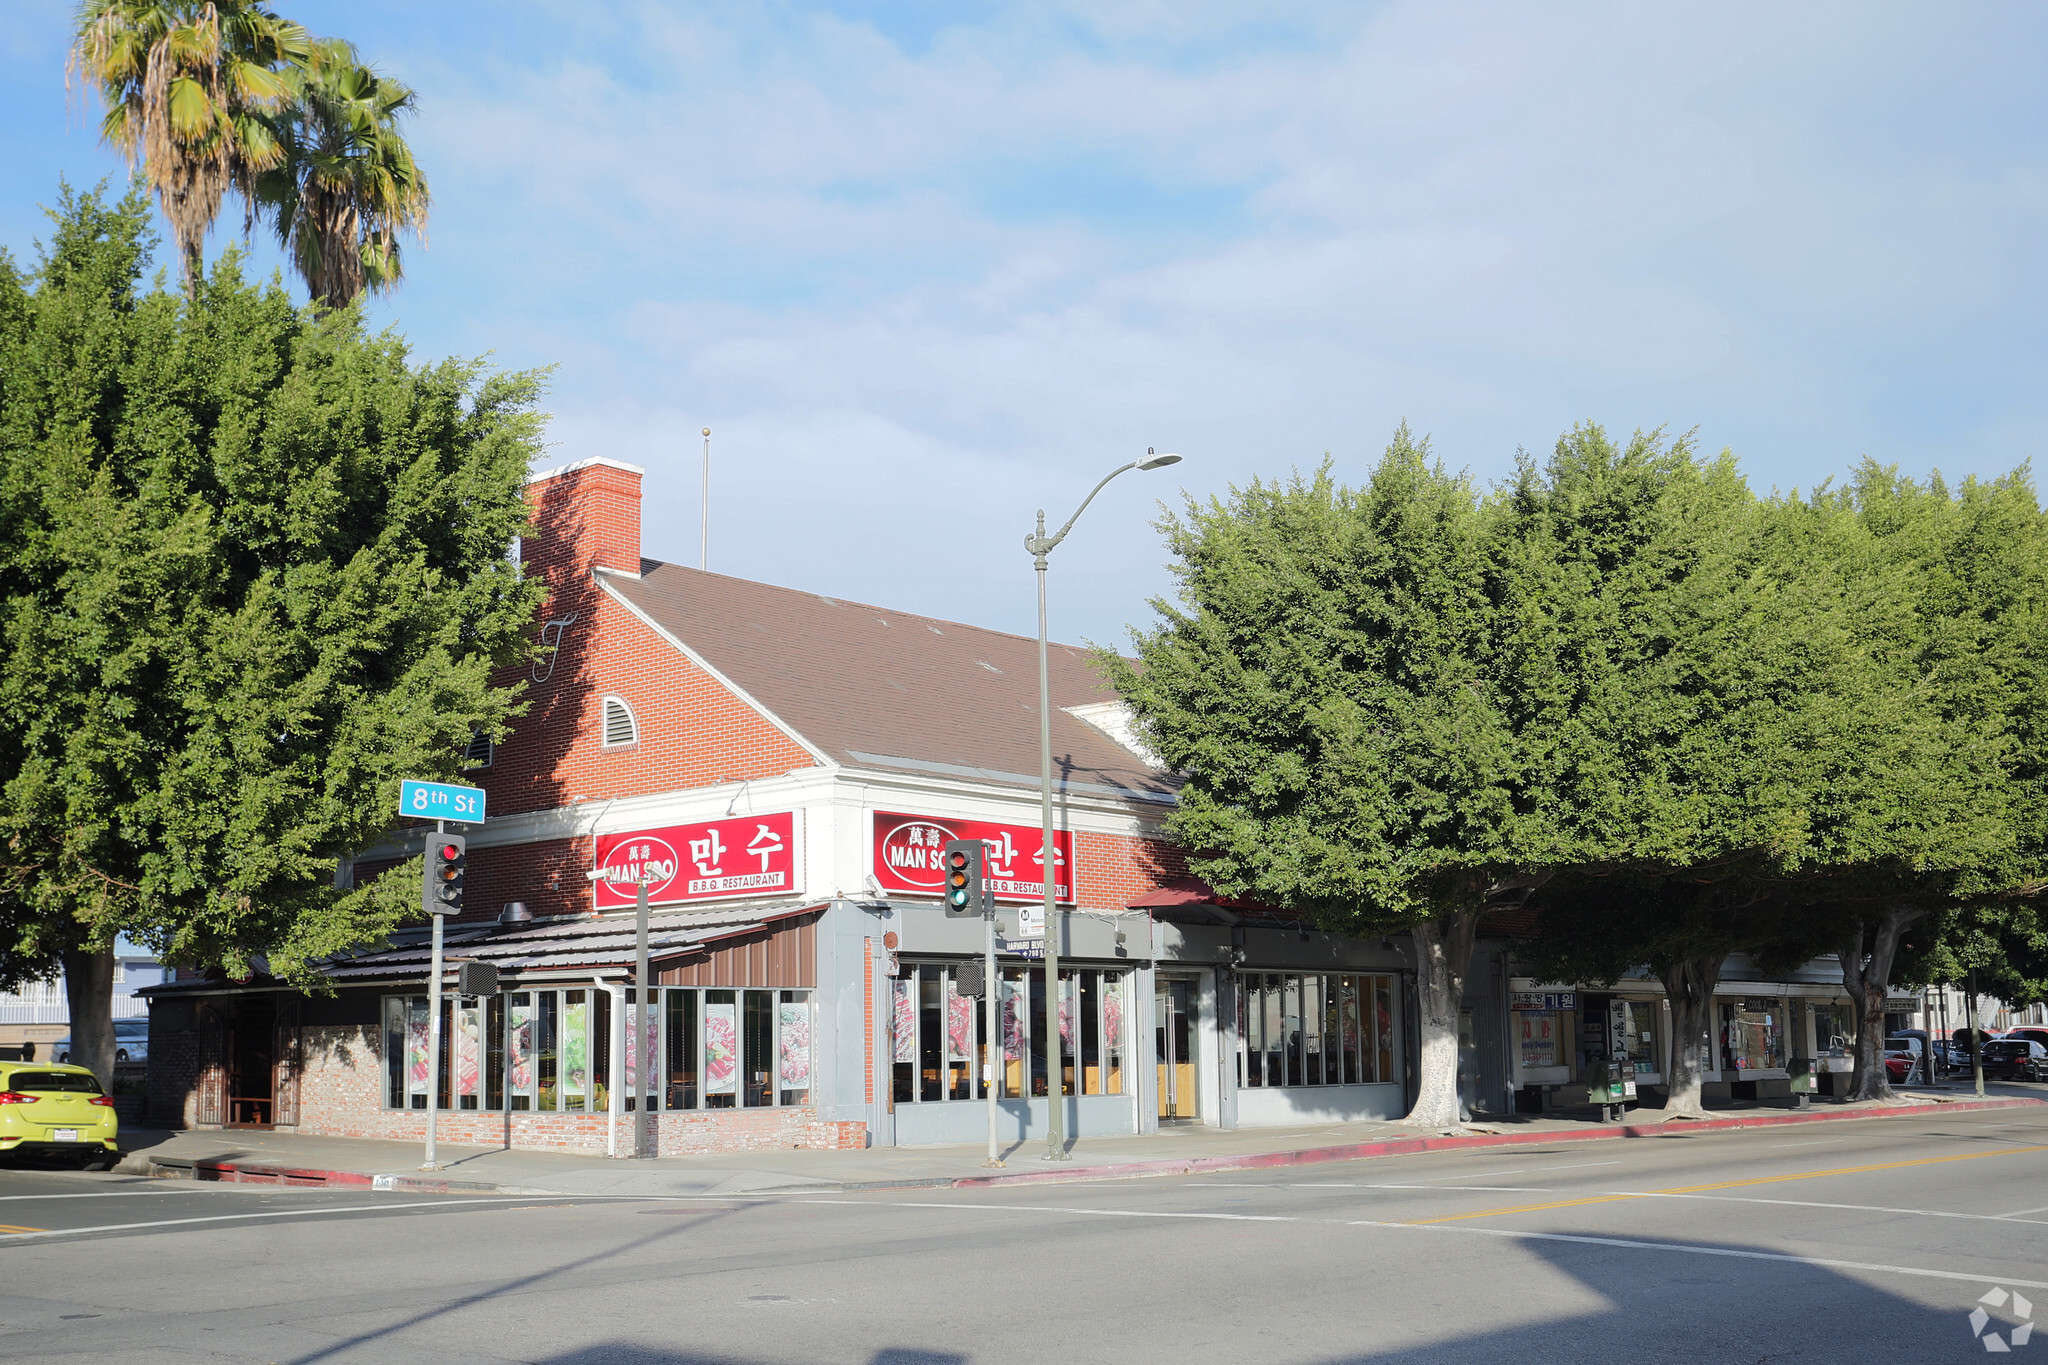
56, 1108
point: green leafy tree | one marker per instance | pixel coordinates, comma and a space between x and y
1365, 689
255, 571
1950, 592
185, 84
1716, 647
346, 183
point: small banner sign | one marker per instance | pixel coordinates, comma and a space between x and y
747, 855
1545, 1002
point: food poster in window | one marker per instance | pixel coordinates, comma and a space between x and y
575, 1052
469, 1051
959, 1022
1539, 1039
721, 1050
417, 1042
1067, 988
1113, 1033
1016, 1031
519, 1047
903, 1023
1383, 1025
640, 1042
793, 1025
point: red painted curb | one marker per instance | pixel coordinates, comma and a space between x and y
1411, 1146
229, 1172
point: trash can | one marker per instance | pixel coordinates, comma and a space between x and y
1800, 1069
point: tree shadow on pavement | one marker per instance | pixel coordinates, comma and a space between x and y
1667, 1303
1705, 1303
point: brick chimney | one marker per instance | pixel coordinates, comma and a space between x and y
585, 515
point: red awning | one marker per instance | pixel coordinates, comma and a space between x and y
1188, 893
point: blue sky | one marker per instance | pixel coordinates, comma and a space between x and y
905, 257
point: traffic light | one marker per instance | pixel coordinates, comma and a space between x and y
446, 854
966, 887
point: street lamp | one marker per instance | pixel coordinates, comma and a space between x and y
1040, 545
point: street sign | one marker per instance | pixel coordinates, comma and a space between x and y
441, 801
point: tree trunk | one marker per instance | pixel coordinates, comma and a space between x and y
1867, 976
1689, 986
89, 992
1443, 953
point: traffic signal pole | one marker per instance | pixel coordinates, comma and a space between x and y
1038, 546
642, 1046
433, 1022
991, 987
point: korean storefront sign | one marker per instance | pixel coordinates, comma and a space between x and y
747, 855
907, 848
1541, 1002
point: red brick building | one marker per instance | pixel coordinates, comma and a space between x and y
781, 767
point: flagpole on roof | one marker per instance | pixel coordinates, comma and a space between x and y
704, 536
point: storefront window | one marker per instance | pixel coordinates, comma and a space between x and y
1831, 1031
549, 1051
1314, 1029
1753, 1035
939, 1038
1645, 1035
1542, 1037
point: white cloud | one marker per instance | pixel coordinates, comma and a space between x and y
992, 256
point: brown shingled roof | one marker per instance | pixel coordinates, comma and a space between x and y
876, 688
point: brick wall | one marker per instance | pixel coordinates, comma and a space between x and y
546, 874
1114, 868
340, 1095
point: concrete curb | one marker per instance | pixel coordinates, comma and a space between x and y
176, 1168
1258, 1161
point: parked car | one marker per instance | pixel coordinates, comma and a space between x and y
59, 1109
131, 1042
1913, 1049
1898, 1064
2021, 1059
2032, 1033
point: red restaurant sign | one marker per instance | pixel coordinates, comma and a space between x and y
748, 855
907, 849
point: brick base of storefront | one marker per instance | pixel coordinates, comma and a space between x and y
341, 1095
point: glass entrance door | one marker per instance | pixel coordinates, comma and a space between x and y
1173, 1003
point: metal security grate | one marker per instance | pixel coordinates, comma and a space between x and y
619, 726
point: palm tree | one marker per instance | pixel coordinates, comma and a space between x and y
345, 184
186, 84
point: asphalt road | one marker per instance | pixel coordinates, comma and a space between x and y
1866, 1242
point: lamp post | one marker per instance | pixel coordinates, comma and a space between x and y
1038, 546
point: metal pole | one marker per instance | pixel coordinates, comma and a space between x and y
434, 1026
991, 988
1976, 1043
643, 1122
1055, 1096
704, 535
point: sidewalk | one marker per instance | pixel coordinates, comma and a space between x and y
287, 1158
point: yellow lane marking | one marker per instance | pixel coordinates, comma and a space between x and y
1721, 1185
1848, 1170
16, 1227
